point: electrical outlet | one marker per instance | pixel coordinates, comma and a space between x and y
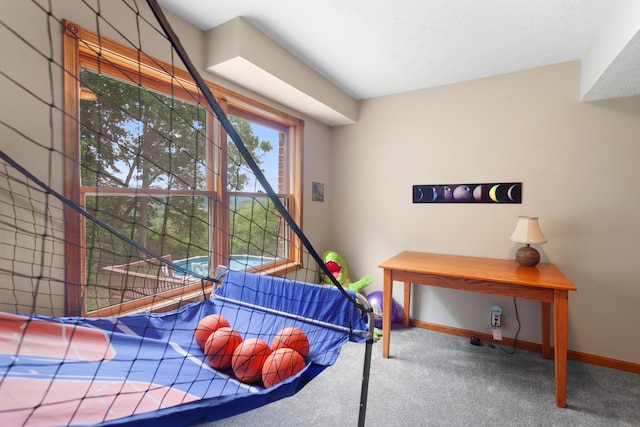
495, 320
496, 316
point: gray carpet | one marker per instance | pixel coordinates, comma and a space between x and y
434, 379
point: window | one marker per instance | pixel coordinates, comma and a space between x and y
269, 142
147, 159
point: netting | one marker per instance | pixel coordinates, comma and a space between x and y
135, 199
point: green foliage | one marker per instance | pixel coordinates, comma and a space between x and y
135, 138
237, 167
255, 227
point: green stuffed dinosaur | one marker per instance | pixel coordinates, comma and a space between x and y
337, 265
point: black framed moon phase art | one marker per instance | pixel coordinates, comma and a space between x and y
501, 192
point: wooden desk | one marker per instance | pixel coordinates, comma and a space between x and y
544, 283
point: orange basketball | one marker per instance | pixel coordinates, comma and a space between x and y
280, 365
248, 359
220, 346
206, 326
292, 338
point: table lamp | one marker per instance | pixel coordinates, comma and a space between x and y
527, 231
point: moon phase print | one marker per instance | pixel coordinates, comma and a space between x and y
501, 192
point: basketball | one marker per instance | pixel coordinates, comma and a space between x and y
220, 346
248, 359
292, 338
206, 326
280, 365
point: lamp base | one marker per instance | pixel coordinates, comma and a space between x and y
527, 256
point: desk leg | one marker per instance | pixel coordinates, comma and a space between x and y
561, 315
386, 312
546, 329
407, 302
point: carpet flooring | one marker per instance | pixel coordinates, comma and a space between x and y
434, 379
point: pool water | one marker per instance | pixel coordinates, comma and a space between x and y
200, 264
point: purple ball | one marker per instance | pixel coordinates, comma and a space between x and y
376, 301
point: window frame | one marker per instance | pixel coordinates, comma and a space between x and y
81, 48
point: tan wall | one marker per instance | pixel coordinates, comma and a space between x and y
578, 165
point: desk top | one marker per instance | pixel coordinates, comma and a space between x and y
543, 275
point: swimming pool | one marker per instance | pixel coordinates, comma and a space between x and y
200, 264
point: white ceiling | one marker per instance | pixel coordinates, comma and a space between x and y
371, 48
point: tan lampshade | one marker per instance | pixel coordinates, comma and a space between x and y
528, 231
